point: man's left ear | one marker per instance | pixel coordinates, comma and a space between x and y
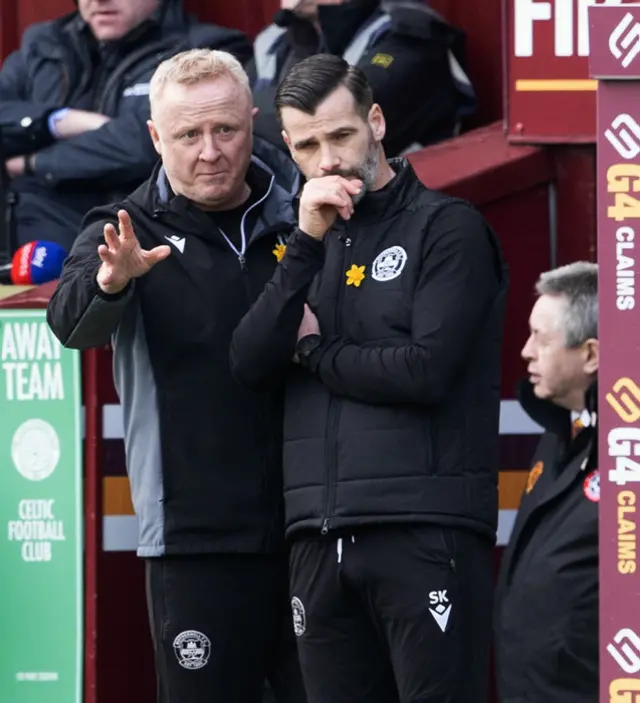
591, 356
377, 122
154, 136
255, 111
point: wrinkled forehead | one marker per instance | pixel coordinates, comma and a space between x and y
218, 99
218, 90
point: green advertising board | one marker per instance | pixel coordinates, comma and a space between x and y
41, 546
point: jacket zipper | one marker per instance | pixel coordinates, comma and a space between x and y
243, 266
244, 242
83, 82
333, 413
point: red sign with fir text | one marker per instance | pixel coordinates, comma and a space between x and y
550, 96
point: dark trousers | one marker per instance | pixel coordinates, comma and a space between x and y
221, 627
394, 613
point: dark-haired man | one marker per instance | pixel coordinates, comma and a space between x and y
391, 299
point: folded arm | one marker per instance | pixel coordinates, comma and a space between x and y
457, 286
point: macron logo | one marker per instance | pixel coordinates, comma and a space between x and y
178, 242
442, 608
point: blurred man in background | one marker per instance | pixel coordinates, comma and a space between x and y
413, 60
74, 105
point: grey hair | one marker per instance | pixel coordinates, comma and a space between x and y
577, 283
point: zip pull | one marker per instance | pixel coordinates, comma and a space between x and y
243, 262
325, 527
347, 242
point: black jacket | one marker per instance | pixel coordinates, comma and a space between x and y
414, 62
396, 417
60, 64
547, 596
203, 453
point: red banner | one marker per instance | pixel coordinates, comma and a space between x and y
615, 62
550, 97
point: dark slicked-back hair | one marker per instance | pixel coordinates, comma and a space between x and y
311, 81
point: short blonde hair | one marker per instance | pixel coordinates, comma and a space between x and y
195, 66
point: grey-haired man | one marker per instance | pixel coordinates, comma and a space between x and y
547, 599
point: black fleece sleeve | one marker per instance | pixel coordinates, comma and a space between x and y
264, 343
79, 314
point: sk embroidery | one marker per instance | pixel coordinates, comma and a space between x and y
355, 275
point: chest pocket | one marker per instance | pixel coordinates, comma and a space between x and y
381, 307
379, 312
136, 81
365, 291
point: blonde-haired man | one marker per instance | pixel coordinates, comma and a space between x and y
167, 274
